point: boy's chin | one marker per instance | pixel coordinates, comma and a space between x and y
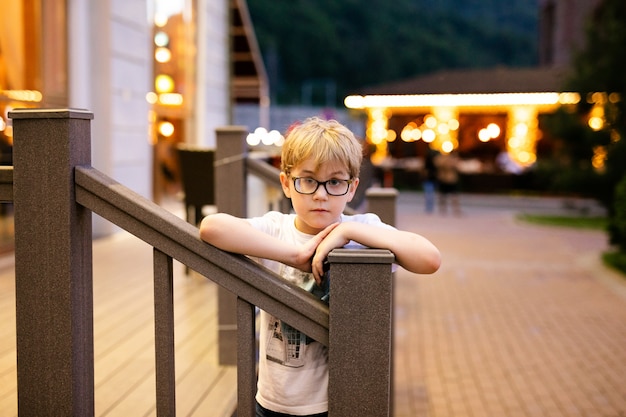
313, 228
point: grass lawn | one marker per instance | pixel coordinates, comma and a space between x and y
596, 223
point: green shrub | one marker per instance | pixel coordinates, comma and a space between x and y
617, 222
615, 260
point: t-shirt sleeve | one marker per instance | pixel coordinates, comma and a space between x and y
365, 218
269, 223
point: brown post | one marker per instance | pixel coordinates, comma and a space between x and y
382, 201
231, 198
53, 264
360, 333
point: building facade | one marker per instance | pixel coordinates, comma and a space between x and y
154, 73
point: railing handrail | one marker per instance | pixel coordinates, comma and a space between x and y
180, 240
263, 171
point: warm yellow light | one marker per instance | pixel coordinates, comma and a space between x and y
569, 98
162, 55
453, 123
599, 157
406, 134
430, 121
428, 135
493, 130
152, 97
160, 19
171, 99
164, 83
454, 100
447, 146
23, 95
615, 136
377, 131
379, 124
354, 102
391, 135
483, 135
166, 129
596, 123
599, 98
521, 129
526, 158
514, 143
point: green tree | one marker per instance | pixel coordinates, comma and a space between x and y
597, 68
351, 44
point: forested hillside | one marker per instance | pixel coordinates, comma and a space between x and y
316, 50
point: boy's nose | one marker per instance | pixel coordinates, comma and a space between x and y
320, 192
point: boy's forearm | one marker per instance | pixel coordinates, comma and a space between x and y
412, 251
236, 235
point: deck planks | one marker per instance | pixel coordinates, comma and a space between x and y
124, 374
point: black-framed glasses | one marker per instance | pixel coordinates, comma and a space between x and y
334, 187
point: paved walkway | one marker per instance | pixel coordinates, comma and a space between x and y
521, 320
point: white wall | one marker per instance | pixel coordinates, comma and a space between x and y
213, 98
110, 68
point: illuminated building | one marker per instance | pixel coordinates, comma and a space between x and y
480, 113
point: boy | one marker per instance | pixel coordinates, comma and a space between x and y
319, 173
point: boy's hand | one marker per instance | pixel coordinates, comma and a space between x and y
305, 258
332, 240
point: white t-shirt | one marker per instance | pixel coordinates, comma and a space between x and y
293, 369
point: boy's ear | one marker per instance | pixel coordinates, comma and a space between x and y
353, 188
284, 182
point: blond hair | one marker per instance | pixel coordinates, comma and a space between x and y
324, 141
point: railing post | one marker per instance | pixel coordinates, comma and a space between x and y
382, 201
53, 264
360, 333
231, 198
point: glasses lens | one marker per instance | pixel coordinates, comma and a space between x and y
306, 185
337, 187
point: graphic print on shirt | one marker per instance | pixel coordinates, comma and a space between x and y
286, 345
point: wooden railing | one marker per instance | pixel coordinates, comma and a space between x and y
55, 191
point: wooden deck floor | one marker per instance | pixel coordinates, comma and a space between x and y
124, 337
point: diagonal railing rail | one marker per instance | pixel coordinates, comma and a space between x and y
55, 190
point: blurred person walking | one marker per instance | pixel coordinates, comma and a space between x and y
448, 182
429, 182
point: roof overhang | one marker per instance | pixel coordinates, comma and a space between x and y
469, 89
